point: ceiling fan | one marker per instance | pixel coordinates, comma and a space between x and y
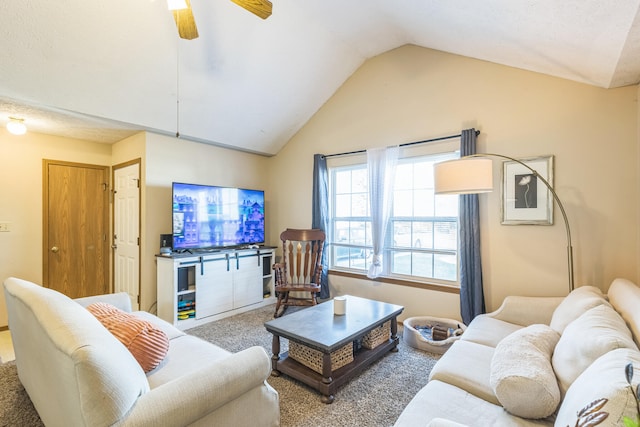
186, 23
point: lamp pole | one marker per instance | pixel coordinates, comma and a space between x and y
555, 197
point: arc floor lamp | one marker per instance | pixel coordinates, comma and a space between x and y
474, 174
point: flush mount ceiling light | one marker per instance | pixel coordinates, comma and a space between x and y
16, 126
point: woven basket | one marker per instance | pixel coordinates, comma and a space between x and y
312, 358
377, 336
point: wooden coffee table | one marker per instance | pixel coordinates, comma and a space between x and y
319, 329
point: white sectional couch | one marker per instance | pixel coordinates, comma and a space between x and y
78, 374
536, 362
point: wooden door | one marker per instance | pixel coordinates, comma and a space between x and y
75, 228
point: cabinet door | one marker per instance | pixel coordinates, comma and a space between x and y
214, 286
247, 280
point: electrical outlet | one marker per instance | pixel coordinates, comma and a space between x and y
5, 227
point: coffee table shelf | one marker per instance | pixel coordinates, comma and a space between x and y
318, 328
361, 360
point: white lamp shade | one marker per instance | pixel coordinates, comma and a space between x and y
464, 176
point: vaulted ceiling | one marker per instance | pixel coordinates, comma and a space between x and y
102, 70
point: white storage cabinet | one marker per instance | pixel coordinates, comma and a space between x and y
198, 288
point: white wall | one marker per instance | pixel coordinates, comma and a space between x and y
413, 93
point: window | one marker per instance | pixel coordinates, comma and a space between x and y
421, 242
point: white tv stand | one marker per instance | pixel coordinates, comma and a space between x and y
200, 287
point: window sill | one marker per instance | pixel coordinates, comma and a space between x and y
395, 281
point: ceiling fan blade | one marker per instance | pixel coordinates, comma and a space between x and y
185, 22
262, 8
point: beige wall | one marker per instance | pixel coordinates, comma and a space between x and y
21, 197
130, 149
404, 95
169, 159
163, 160
412, 93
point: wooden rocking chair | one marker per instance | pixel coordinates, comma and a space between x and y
300, 269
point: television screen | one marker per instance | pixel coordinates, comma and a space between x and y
206, 216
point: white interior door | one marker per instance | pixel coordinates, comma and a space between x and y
126, 236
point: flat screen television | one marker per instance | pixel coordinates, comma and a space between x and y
210, 217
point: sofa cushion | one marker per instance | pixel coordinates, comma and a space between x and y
624, 296
453, 368
591, 335
441, 400
605, 378
443, 422
577, 302
186, 354
521, 374
149, 345
488, 331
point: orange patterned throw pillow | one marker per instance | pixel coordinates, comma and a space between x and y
146, 343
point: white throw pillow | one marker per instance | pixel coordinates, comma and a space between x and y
605, 378
591, 335
577, 302
521, 374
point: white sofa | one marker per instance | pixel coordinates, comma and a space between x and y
536, 362
78, 374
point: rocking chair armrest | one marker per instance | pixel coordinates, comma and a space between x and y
318, 273
278, 274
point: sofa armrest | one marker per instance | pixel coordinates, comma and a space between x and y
526, 311
191, 397
120, 300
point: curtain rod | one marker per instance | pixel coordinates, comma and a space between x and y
406, 144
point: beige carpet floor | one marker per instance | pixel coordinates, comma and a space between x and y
374, 398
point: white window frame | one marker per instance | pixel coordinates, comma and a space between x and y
358, 254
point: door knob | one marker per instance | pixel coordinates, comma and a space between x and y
55, 249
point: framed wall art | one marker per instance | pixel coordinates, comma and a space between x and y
525, 198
